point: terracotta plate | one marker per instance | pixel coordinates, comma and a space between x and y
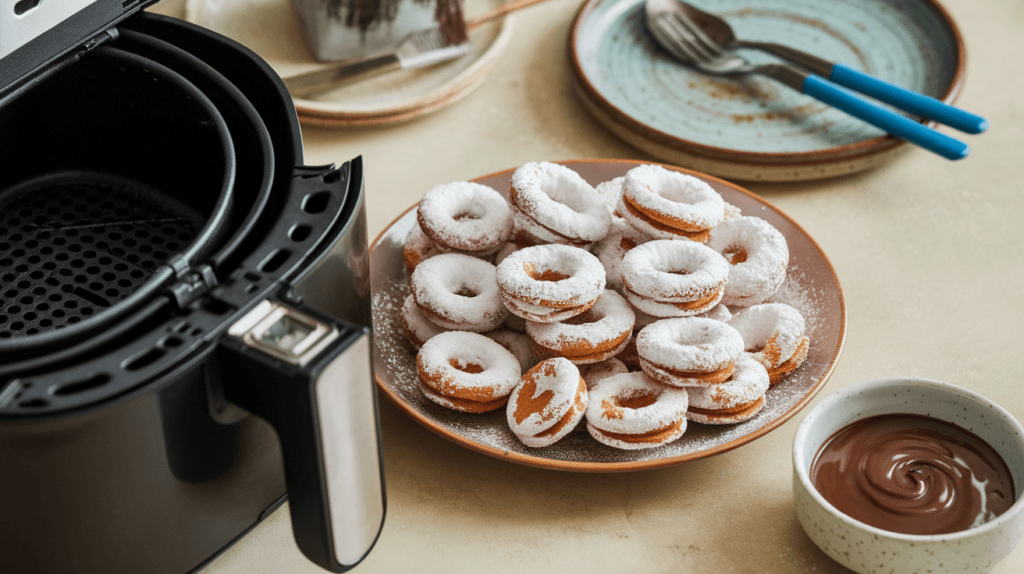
811, 286
269, 29
751, 127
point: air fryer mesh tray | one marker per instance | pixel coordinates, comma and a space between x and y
74, 244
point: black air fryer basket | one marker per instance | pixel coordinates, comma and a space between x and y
168, 266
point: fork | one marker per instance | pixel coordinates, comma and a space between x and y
684, 40
418, 49
720, 32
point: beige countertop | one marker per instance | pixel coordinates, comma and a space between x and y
928, 252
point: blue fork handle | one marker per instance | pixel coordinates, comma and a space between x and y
896, 124
908, 100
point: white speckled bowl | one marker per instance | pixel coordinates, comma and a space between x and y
867, 549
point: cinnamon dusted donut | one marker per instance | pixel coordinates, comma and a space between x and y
774, 334
418, 247
466, 372
669, 205
547, 404
758, 256
689, 351
555, 204
518, 344
738, 399
458, 292
597, 372
590, 337
673, 278
632, 411
418, 329
465, 216
547, 283
609, 251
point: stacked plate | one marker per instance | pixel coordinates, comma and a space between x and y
269, 28
750, 127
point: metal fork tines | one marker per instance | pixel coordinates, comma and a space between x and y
689, 43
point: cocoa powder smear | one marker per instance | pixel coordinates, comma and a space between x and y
912, 474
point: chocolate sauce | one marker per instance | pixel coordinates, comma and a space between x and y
912, 474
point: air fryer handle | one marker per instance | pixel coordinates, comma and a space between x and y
309, 375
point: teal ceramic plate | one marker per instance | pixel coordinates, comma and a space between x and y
751, 127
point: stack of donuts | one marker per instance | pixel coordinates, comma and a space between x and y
638, 305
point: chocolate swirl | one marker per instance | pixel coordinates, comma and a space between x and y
912, 474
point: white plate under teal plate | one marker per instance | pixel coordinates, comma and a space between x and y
751, 127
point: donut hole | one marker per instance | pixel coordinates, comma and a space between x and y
466, 291
469, 367
543, 274
627, 243
636, 400
468, 214
735, 254
677, 271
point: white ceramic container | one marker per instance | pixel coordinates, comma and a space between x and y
867, 549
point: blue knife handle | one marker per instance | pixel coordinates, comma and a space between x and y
908, 100
896, 124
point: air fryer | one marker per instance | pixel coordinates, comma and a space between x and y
168, 268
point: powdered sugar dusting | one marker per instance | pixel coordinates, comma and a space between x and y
809, 287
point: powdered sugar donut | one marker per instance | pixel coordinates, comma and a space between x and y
671, 204
540, 314
774, 334
561, 201
547, 404
731, 211
610, 191
632, 411
738, 399
719, 313
506, 250
597, 372
689, 351
466, 371
465, 216
609, 251
529, 232
518, 344
590, 337
418, 329
550, 277
418, 247
758, 255
684, 275
458, 292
